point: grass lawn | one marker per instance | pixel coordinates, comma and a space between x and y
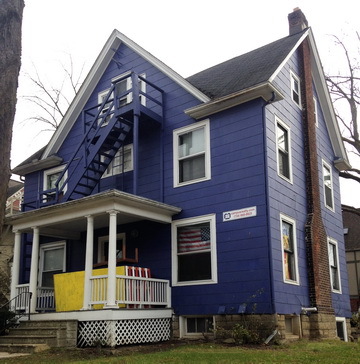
299, 352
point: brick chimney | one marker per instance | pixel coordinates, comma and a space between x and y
322, 324
297, 21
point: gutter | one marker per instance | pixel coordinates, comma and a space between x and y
37, 165
264, 90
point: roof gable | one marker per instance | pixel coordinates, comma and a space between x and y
93, 77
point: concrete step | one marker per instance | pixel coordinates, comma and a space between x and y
23, 348
30, 331
34, 339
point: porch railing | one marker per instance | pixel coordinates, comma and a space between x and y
45, 300
133, 292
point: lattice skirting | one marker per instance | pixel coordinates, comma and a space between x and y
122, 332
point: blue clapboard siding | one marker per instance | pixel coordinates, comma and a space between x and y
243, 174
237, 168
288, 198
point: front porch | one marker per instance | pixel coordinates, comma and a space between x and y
113, 297
137, 292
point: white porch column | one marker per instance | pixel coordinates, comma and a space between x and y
16, 264
111, 287
34, 268
88, 261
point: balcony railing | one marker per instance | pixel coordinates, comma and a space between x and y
132, 292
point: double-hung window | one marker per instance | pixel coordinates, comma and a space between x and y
283, 148
122, 162
192, 154
194, 251
295, 89
316, 112
328, 186
334, 265
289, 249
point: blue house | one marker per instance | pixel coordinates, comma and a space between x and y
169, 207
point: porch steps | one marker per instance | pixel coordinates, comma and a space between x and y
33, 336
23, 348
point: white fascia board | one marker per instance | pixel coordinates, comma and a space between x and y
286, 59
324, 98
83, 94
163, 68
93, 77
124, 203
265, 91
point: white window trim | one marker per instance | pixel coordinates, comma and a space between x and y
183, 326
334, 242
280, 122
102, 240
291, 221
50, 246
54, 170
190, 221
327, 165
114, 170
343, 320
316, 115
293, 77
176, 133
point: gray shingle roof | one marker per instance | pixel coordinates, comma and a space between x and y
244, 71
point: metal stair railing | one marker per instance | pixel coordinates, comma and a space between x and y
100, 126
14, 309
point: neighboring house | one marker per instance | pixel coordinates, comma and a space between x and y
351, 218
163, 202
13, 206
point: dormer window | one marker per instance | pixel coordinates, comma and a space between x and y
295, 89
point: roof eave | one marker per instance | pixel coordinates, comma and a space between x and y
37, 165
266, 90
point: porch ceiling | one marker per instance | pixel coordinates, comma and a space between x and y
70, 217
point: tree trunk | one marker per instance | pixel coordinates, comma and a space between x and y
10, 59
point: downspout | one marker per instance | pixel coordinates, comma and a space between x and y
162, 149
135, 86
271, 100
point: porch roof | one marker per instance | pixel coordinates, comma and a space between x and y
70, 216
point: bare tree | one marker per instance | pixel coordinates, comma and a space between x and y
345, 90
10, 60
52, 101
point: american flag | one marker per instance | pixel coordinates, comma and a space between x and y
193, 238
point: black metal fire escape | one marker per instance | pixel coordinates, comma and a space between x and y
106, 128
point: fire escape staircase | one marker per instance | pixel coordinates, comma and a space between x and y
106, 128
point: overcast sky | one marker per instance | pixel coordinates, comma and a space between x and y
187, 35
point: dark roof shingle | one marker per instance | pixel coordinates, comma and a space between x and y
247, 70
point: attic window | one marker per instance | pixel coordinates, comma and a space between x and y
295, 89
